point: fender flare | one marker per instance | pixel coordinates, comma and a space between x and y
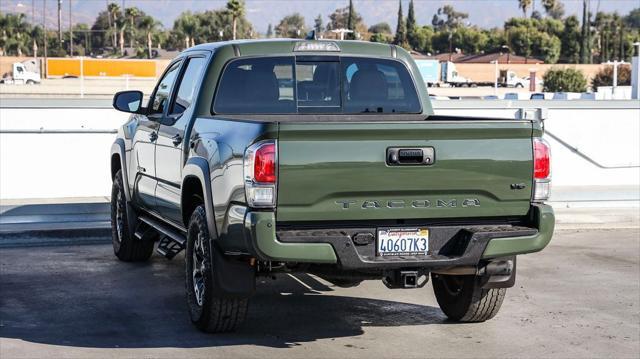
118, 148
232, 278
198, 167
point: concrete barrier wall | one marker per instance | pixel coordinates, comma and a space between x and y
593, 144
487, 72
89, 67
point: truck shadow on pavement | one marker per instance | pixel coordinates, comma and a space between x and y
82, 296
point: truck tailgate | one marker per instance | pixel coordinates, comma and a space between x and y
338, 171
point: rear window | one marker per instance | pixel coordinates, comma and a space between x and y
350, 85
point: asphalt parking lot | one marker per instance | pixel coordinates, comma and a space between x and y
578, 298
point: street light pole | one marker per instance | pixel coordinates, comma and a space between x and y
70, 32
615, 65
44, 34
60, 23
495, 85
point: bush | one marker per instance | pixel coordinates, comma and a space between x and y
564, 80
604, 77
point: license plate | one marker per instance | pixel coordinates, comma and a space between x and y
403, 241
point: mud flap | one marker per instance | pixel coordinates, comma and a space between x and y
232, 277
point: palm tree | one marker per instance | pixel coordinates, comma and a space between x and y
121, 23
235, 8
36, 33
113, 9
548, 5
15, 32
187, 25
132, 13
150, 25
524, 5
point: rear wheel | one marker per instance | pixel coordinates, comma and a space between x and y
209, 311
126, 247
462, 298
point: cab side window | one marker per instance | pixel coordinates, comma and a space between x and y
161, 97
186, 89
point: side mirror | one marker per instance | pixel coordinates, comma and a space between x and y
128, 101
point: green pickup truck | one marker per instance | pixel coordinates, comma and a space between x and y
280, 156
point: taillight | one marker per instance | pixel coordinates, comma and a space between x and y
541, 159
260, 174
264, 165
541, 170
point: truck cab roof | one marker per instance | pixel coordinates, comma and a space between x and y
283, 46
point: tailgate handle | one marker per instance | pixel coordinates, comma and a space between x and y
410, 156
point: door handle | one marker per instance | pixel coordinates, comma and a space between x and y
176, 139
153, 136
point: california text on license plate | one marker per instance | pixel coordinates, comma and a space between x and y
403, 241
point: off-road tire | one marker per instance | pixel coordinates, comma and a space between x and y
462, 298
215, 314
126, 247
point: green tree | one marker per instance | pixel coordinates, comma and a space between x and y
632, 20
401, 29
469, 40
564, 80
149, 25
380, 28
524, 5
340, 17
553, 8
585, 36
424, 39
412, 38
381, 37
570, 49
235, 9
292, 26
186, 25
15, 39
121, 24
447, 18
604, 77
217, 25
113, 10
270, 31
36, 33
100, 32
132, 13
535, 38
351, 21
317, 25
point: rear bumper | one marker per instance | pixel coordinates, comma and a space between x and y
451, 246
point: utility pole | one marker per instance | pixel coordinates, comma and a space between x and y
60, 22
70, 32
44, 34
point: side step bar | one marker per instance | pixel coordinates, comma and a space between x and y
171, 242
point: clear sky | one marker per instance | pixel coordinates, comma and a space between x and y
484, 13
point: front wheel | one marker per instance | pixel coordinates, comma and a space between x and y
462, 298
209, 311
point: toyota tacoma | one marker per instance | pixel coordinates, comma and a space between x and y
324, 157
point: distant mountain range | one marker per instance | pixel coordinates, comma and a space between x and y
484, 13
